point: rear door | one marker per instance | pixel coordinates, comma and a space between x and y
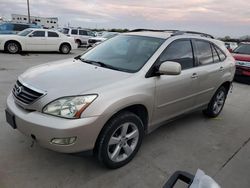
52, 41
174, 95
210, 70
36, 41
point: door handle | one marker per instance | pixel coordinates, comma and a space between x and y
194, 76
221, 69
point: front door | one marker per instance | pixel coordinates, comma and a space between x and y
175, 95
36, 41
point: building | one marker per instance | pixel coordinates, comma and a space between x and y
41, 21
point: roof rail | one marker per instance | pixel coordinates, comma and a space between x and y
175, 32
154, 30
193, 33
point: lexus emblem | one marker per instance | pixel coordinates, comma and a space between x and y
18, 90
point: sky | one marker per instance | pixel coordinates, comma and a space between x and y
216, 17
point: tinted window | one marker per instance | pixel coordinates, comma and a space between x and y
215, 55
82, 32
65, 31
204, 52
52, 34
179, 51
220, 53
91, 34
20, 27
74, 31
38, 33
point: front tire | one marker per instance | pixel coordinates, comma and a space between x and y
216, 104
13, 47
65, 48
120, 140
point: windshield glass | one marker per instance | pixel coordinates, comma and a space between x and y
24, 32
243, 49
125, 52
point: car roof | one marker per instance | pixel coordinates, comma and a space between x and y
41, 29
163, 35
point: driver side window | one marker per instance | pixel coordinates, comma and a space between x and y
38, 34
179, 51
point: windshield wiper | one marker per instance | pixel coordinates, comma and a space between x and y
100, 64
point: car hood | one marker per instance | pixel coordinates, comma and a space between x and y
241, 57
70, 77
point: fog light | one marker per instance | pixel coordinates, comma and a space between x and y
63, 141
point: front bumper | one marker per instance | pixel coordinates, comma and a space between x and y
46, 127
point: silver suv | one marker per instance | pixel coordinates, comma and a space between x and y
107, 99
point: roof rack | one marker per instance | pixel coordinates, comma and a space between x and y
154, 30
175, 32
193, 33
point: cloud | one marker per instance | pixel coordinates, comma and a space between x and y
201, 15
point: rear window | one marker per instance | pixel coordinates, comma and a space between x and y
83, 32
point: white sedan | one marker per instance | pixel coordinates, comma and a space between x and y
37, 40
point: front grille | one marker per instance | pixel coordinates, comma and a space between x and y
25, 94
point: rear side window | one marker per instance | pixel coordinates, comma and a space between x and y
52, 34
38, 34
180, 51
204, 52
74, 31
82, 32
215, 55
220, 53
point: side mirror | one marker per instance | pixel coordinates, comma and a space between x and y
31, 35
230, 50
170, 68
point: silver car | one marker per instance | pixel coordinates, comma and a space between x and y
107, 99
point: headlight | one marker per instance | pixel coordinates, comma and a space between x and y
69, 107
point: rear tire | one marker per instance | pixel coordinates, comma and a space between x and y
120, 140
65, 48
13, 47
216, 104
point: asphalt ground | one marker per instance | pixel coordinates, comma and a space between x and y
219, 146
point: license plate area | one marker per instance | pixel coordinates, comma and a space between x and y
10, 118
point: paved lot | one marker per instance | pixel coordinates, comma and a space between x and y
218, 146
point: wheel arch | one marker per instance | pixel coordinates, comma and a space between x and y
16, 41
138, 109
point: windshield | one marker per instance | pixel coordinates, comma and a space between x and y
243, 49
25, 32
124, 52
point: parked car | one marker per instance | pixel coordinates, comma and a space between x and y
14, 28
242, 57
97, 40
231, 45
107, 99
80, 35
37, 40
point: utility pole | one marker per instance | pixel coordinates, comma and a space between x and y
28, 5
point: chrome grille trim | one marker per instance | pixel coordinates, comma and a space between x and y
26, 94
